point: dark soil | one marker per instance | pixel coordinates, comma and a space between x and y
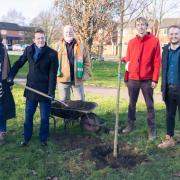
102, 155
69, 142
94, 149
75, 105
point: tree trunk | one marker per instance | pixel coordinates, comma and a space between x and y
88, 44
101, 47
119, 78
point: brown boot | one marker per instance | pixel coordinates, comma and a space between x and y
167, 143
2, 138
128, 128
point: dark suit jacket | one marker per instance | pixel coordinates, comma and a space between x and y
164, 71
42, 72
8, 104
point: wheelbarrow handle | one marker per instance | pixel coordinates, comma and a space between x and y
41, 93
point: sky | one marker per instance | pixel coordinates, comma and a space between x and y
28, 8
31, 8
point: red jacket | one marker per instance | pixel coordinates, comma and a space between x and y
144, 58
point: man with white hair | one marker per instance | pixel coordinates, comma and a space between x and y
74, 66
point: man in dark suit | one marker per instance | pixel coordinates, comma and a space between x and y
171, 83
43, 65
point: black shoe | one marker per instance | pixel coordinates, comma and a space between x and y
24, 143
44, 143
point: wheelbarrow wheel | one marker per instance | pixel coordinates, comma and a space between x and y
91, 122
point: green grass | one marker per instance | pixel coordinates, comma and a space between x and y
37, 163
23, 71
104, 74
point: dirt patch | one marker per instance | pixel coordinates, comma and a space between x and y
102, 155
94, 149
69, 142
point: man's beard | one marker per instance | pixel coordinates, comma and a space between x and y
69, 39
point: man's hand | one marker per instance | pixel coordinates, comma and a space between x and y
52, 96
127, 66
10, 81
153, 85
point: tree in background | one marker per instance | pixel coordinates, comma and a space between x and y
86, 16
157, 11
50, 21
14, 16
28, 35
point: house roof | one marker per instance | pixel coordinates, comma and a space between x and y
11, 26
166, 22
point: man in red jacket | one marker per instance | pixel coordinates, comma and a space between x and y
142, 67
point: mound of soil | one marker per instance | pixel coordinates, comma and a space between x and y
94, 149
102, 155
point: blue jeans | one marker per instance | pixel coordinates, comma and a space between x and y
29, 114
65, 91
2, 121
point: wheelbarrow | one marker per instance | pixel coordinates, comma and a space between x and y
77, 111
72, 111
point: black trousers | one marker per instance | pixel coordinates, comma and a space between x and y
134, 87
172, 103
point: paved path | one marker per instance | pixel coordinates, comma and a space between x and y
105, 91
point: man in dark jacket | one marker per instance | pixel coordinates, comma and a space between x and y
142, 66
43, 65
171, 83
7, 105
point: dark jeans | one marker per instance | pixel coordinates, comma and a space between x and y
134, 87
29, 114
172, 102
2, 121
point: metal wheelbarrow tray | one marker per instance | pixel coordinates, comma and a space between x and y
77, 111
72, 110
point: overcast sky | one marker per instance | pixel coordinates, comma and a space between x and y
28, 8
31, 8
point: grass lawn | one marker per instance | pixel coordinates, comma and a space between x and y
103, 73
23, 71
53, 162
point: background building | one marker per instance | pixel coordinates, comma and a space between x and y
14, 34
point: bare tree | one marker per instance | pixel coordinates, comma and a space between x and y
51, 23
157, 11
102, 36
14, 16
86, 16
